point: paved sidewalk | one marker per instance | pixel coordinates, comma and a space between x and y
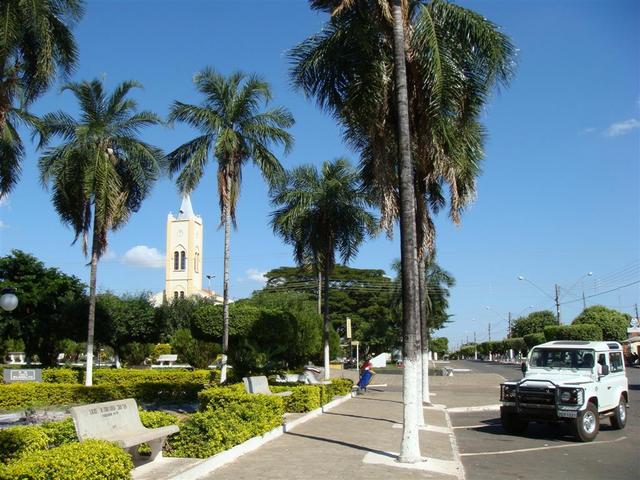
352, 441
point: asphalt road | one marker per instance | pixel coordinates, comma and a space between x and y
544, 451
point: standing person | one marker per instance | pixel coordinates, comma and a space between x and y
366, 374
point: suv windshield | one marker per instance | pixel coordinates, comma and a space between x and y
559, 358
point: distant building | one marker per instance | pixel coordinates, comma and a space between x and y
183, 262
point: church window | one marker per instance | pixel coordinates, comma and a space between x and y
175, 295
176, 260
181, 294
183, 261
196, 262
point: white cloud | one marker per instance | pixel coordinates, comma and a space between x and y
587, 131
110, 255
143, 256
622, 128
4, 200
2, 224
256, 276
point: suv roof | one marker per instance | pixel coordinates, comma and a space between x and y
598, 346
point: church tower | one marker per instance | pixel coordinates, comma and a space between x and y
183, 273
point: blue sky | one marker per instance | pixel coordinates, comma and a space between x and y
558, 197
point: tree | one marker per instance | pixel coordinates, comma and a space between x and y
454, 58
235, 129
126, 319
319, 213
613, 323
45, 313
533, 323
100, 172
36, 44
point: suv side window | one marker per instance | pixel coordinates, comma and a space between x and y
615, 362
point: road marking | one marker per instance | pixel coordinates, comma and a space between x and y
428, 428
461, 369
390, 459
454, 447
477, 426
377, 385
481, 408
553, 447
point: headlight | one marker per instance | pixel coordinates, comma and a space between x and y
571, 396
508, 393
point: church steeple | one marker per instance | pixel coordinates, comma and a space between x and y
183, 274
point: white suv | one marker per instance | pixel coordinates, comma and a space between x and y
573, 381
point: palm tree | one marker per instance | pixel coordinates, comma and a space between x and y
320, 213
35, 44
235, 128
453, 59
100, 172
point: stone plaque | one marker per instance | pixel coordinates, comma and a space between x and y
14, 375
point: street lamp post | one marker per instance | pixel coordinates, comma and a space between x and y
8, 299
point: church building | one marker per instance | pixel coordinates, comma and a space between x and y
183, 262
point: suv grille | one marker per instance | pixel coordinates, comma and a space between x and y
537, 396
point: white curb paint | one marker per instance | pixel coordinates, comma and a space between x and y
552, 447
427, 464
210, 464
377, 385
454, 447
436, 406
428, 428
481, 408
461, 369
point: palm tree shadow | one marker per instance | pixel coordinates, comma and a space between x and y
363, 417
344, 444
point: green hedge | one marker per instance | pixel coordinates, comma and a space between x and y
218, 428
17, 442
122, 376
61, 375
586, 332
533, 339
23, 395
219, 398
93, 459
303, 398
59, 433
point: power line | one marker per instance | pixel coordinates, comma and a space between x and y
603, 293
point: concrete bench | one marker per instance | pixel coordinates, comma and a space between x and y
169, 361
261, 385
119, 422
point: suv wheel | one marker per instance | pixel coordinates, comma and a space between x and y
513, 423
587, 424
619, 417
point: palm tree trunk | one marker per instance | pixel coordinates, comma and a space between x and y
88, 381
225, 301
325, 329
424, 330
319, 292
410, 447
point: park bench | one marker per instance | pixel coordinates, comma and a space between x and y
168, 361
261, 385
119, 422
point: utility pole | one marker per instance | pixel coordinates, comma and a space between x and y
475, 347
637, 317
584, 301
509, 332
558, 302
489, 331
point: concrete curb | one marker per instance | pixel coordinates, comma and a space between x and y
220, 459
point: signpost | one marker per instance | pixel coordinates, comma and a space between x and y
15, 375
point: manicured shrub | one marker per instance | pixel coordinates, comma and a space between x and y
340, 386
60, 375
219, 398
122, 376
93, 459
154, 419
533, 339
216, 429
573, 332
17, 442
303, 398
60, 433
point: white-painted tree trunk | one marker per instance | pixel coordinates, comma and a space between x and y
419, 386
426, 393
410, 452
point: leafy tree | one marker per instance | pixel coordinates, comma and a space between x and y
47, 301
176, 315
235, 129
533, 323
126, 319
319, 213
440, 345
533, 339
36, 44
197, 353
613, 323
583, 331
100, 172
135, 353
207, 320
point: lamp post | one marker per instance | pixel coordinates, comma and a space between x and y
209, 277
8, 299
556, 299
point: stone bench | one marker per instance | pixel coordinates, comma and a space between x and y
261, 385
119, 422
169, 361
